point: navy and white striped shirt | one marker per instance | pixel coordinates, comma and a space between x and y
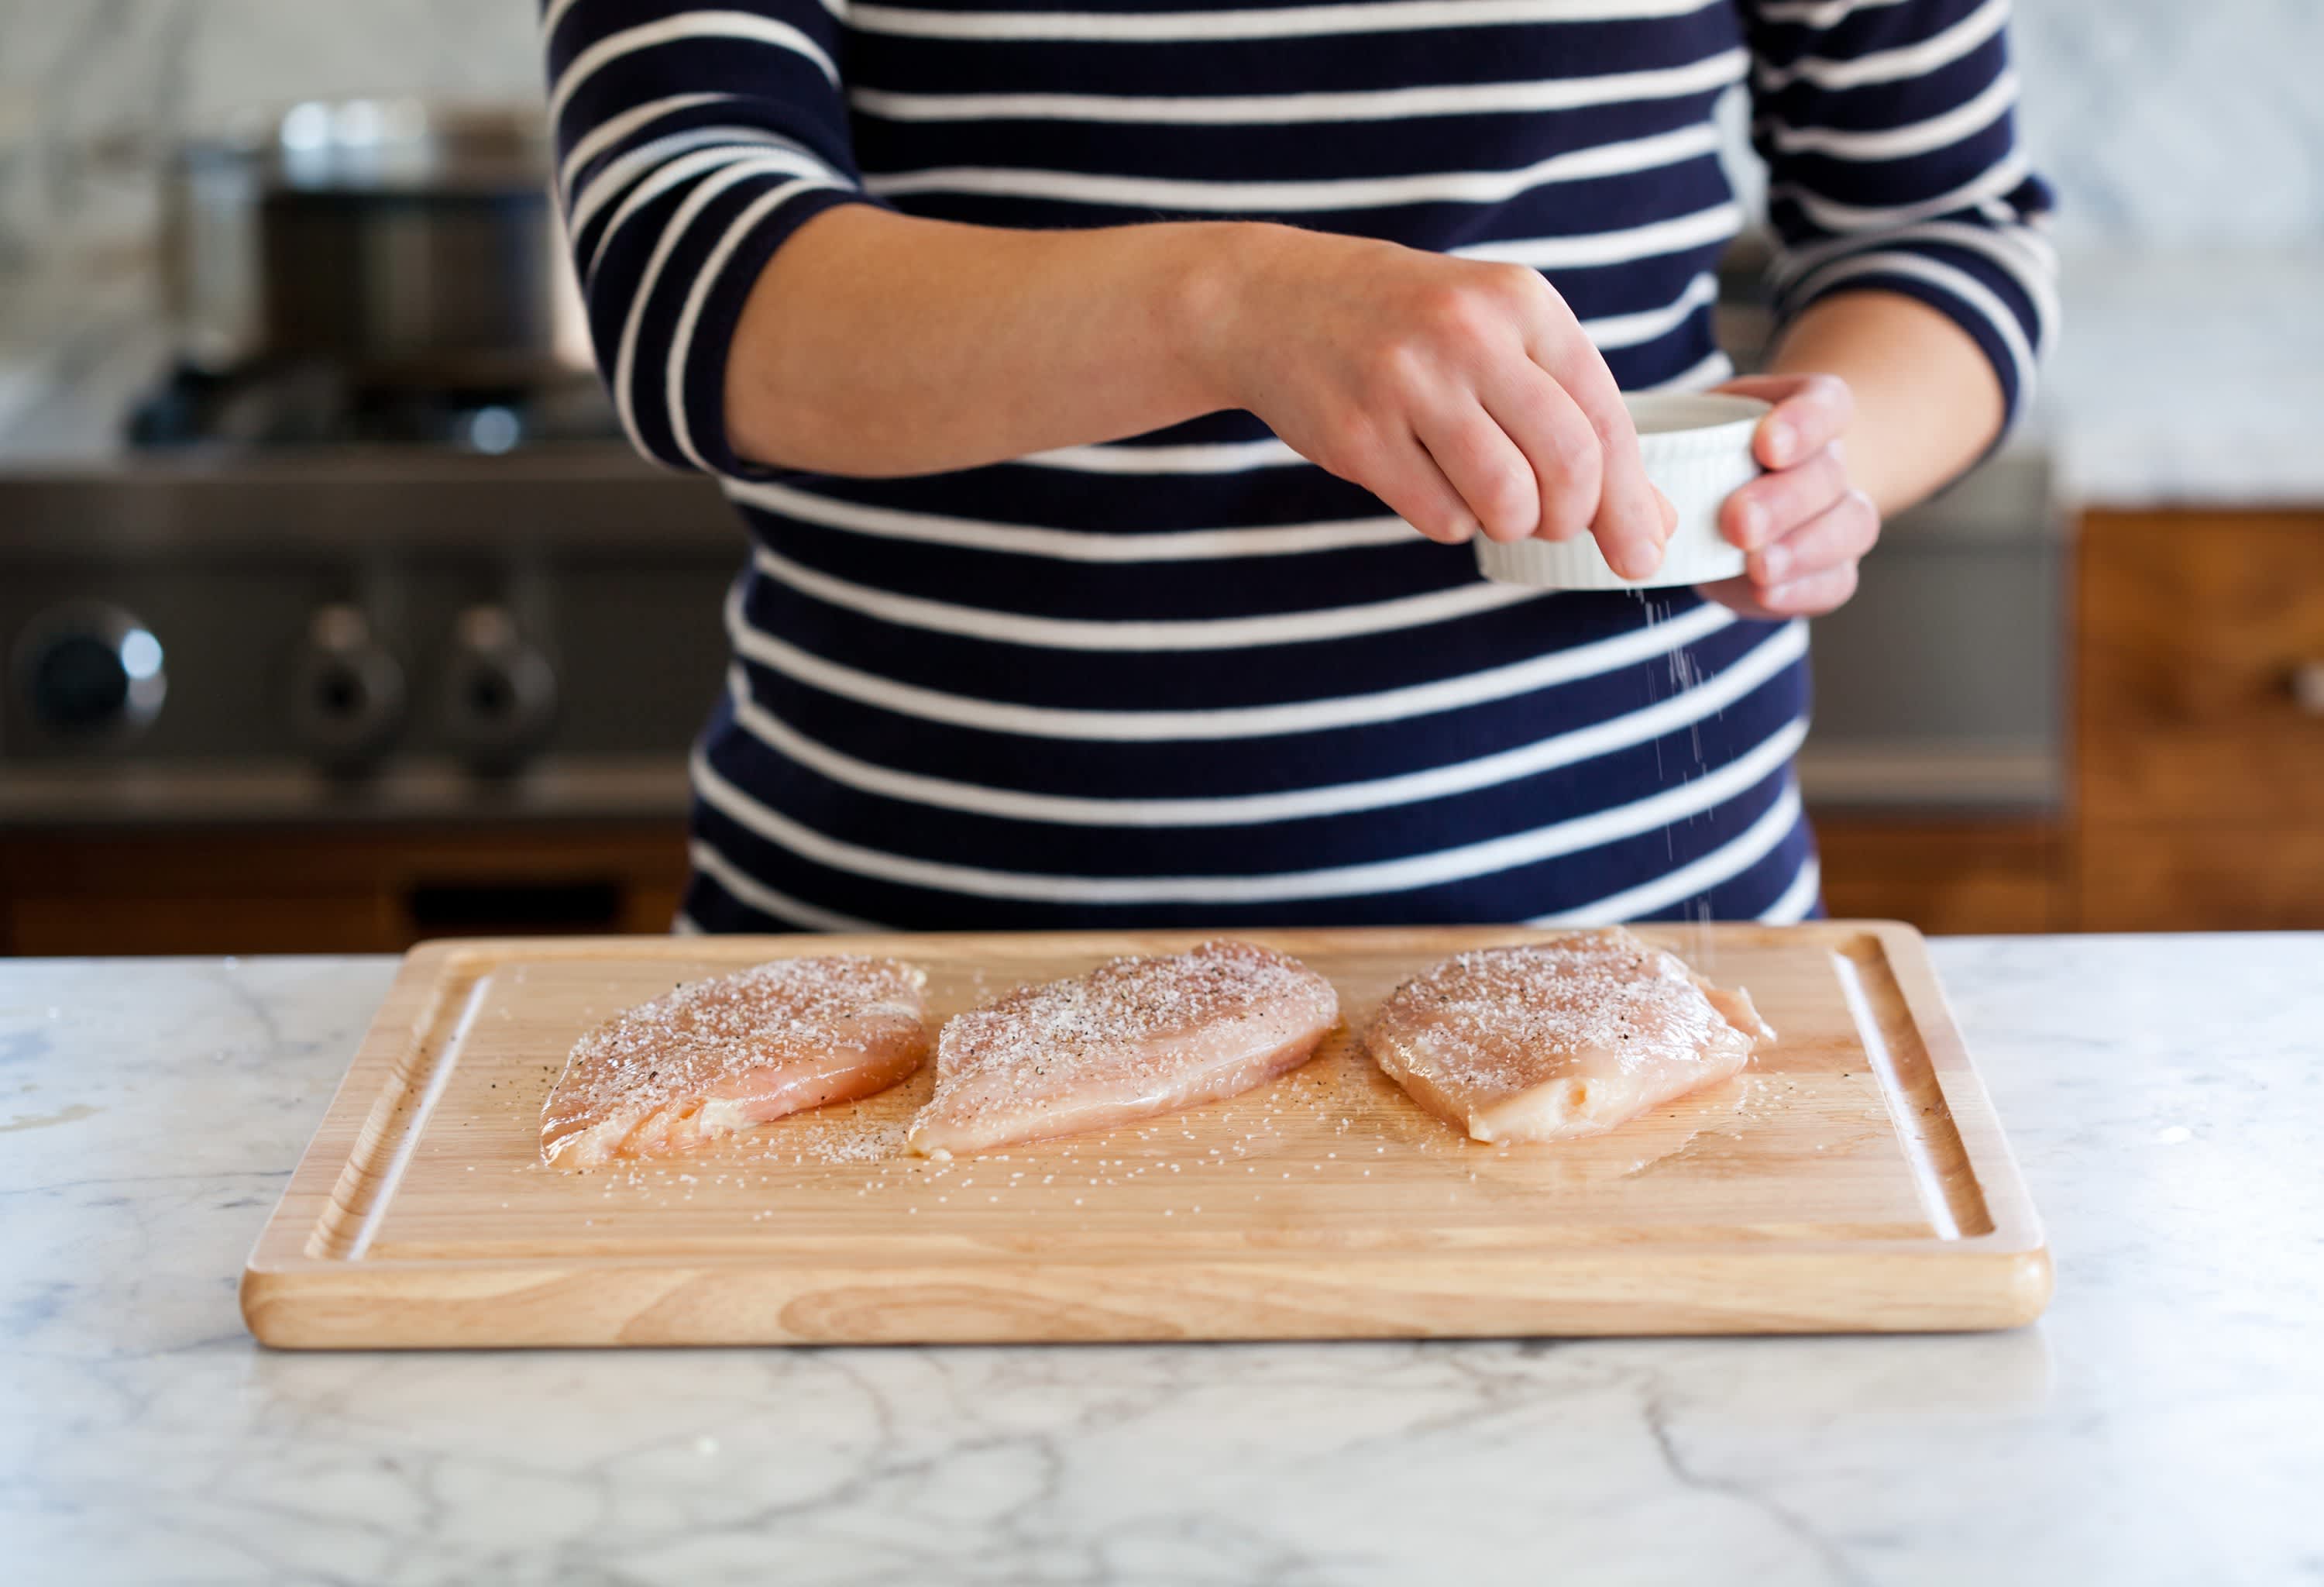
1189, 678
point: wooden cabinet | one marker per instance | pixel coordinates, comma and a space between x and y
268, 890
2197, 789
2193, 629
2201, 877
2199, 758
1945, 873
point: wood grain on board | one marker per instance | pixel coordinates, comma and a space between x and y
1854, 1177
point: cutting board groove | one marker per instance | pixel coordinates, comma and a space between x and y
1855, 1177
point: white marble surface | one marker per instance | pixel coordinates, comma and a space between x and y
2166, 123
2188, 378
2163, 1423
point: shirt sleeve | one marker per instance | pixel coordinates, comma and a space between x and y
689, 144
1889, 131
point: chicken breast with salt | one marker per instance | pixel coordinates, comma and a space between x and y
1547, 1040
1133, 1037
721, 1055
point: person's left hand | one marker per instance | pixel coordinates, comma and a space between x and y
1804, 524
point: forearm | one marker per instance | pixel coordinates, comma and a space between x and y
880, 344
1462, 393
1927, 403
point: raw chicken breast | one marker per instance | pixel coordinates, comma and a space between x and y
1131, 1038
715, 1056
1570, 1037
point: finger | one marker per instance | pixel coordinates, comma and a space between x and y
1812, 594
1771, 389
1492, 476
1632, 521
1635, 519
1772, 505
1841, 534
1402, 475
1811, 411
1560, 447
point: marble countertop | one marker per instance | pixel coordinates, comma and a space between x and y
2164, 1423
2187, 379
2179, 378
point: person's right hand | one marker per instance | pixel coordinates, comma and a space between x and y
1463, 395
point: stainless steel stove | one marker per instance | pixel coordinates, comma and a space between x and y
289, 595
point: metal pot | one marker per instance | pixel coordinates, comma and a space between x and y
398, 240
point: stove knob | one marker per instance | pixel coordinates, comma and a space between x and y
346, 690
88, 673
500, 691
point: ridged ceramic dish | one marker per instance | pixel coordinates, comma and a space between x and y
1698, 450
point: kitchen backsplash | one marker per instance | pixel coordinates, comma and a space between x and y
2175, 123
2164, 124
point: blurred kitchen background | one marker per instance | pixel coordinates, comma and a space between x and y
351, 652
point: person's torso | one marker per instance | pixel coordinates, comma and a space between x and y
1189, 675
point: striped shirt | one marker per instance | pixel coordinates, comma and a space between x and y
1189, 678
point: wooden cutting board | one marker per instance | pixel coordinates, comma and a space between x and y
1854, 1178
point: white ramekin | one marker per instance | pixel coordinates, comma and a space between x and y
1698, 450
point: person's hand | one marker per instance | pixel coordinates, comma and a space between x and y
1463, 395
1804, 525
